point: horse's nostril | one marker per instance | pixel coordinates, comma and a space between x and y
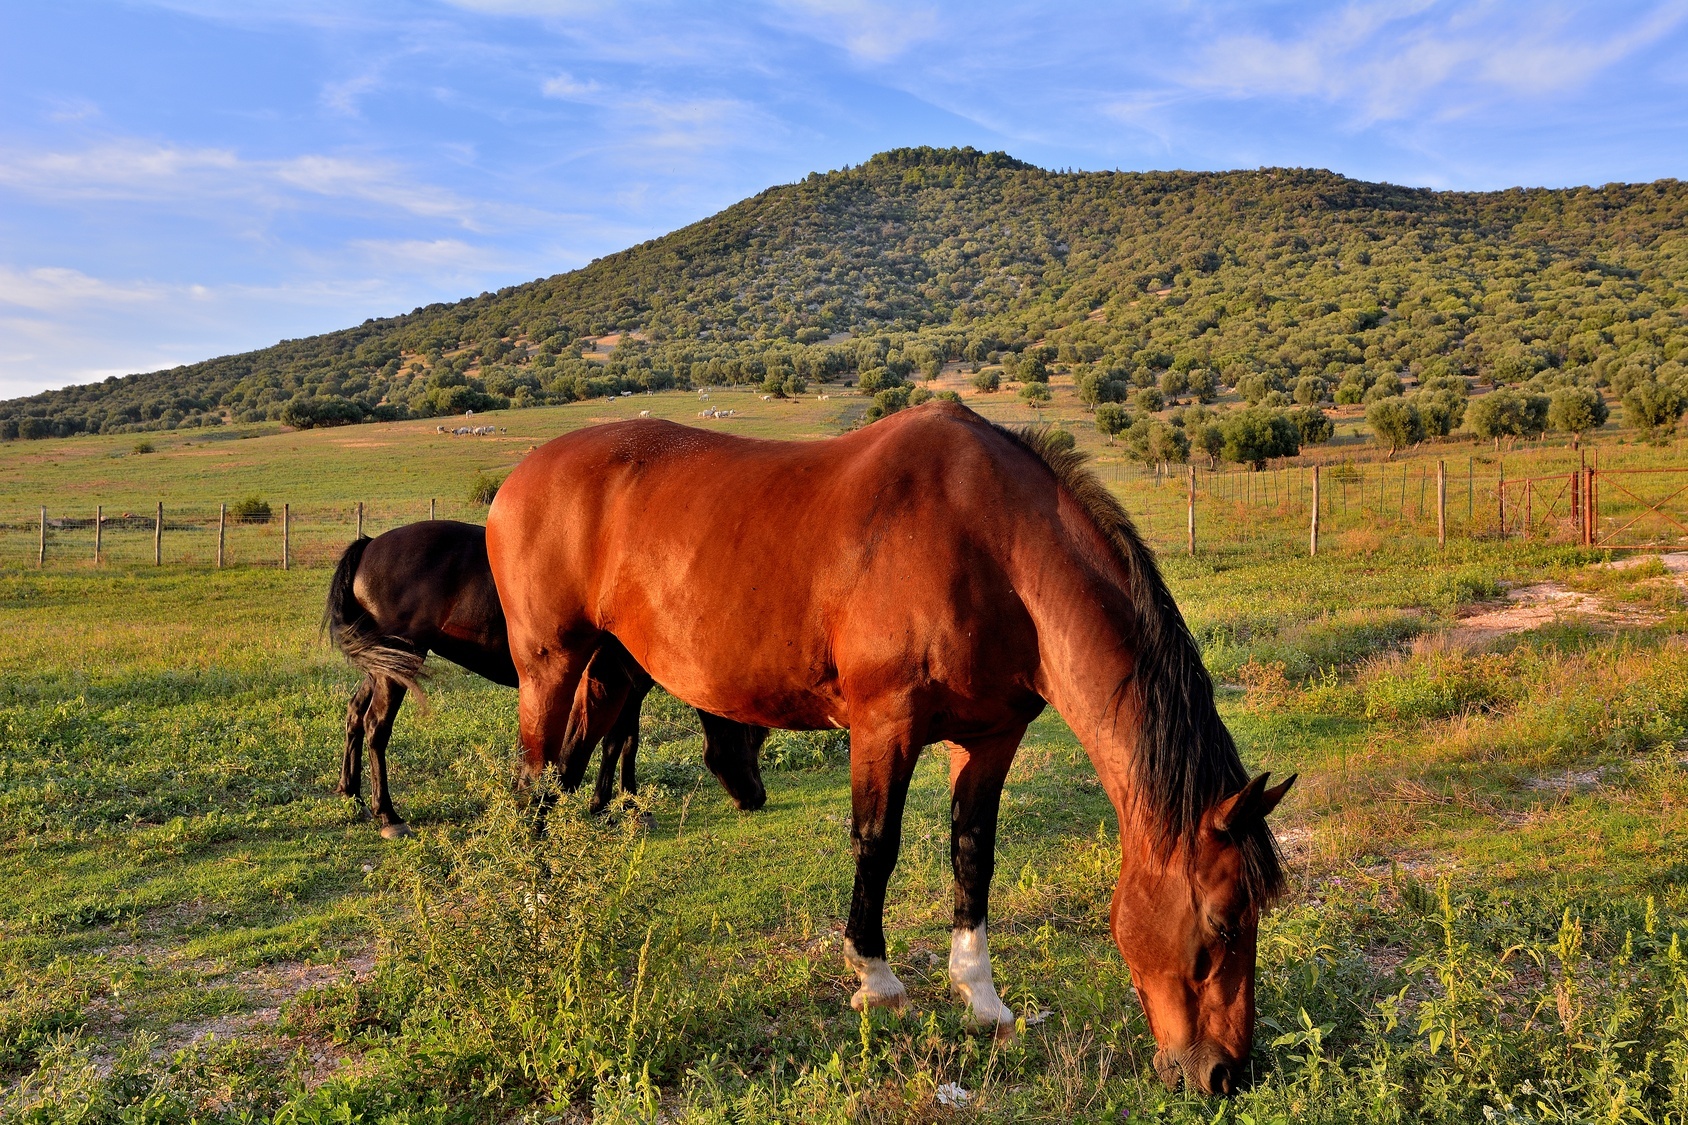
1219, 1079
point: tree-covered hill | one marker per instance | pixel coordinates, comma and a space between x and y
1262, 278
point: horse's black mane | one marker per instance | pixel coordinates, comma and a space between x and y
1186, 759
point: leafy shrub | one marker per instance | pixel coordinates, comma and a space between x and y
1435, 685
1256, 435
1395, 422
988, 381
1112, 418
1576, 410
1507, 413
1036, 394
1652, 406
250, 509
483, 487
1314, 425
806, 749
145, 447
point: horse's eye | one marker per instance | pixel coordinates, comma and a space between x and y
1226, 934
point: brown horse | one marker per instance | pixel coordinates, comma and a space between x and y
927, 578
426, 587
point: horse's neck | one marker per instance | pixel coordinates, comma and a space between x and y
1087, 650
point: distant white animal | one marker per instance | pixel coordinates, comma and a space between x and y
644, 413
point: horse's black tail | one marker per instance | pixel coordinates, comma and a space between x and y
351, 630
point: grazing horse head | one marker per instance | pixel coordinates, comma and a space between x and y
1198, 862
1186, 925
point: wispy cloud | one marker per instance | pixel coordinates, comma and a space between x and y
56, 288
869, 31
185, 177
1388, 62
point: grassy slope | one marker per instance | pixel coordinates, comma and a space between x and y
174, 866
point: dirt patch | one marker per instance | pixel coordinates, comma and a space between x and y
1525, 608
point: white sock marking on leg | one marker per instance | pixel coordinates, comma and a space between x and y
880, 986
970, 975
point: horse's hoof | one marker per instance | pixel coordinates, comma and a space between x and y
395, 831
885, 999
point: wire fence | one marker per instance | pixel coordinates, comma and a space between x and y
1191, 508
207, 535
1566, 498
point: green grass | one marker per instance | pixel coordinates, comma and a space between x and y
1486, 852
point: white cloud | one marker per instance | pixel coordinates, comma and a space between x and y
869, 30
1390, 63
567, 88
440, 255
52, 289
185, 177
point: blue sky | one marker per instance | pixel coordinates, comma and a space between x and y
187, 178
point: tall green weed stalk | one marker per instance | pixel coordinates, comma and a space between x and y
532, 964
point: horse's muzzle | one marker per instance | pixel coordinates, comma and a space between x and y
1204, 1068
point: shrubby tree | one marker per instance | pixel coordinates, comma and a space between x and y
1652, 406
1035, 393
1148, 399
1203, 385
876, 379
1575, 411
1309, 390
1209, 439
1313, 424
988, 381
1153, 441
1395, 422
1112, 418
1505, 412
1256, 435
1174, 383
1386, 385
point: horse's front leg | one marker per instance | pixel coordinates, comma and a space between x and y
882, 758
977, 772
621, 745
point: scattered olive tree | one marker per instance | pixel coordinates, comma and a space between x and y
1395, 422
1575, 411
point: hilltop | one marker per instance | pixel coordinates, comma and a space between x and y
922, 256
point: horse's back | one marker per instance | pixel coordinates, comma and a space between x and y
431, 583
792, 564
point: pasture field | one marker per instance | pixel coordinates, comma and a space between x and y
1486, 844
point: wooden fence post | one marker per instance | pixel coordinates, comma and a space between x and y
1500, 496
158, 536
1192, 509
1441, 504
1529, 506
431, 502
1313, 532
99, 526
360, 520
41, 559
222, 524
286, 533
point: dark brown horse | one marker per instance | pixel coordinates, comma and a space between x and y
927, 578
426, 587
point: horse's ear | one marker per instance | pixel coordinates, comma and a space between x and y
1269, 799
1250, 803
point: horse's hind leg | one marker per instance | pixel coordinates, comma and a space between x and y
384, 708
732, 751
351, 759
621, 745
